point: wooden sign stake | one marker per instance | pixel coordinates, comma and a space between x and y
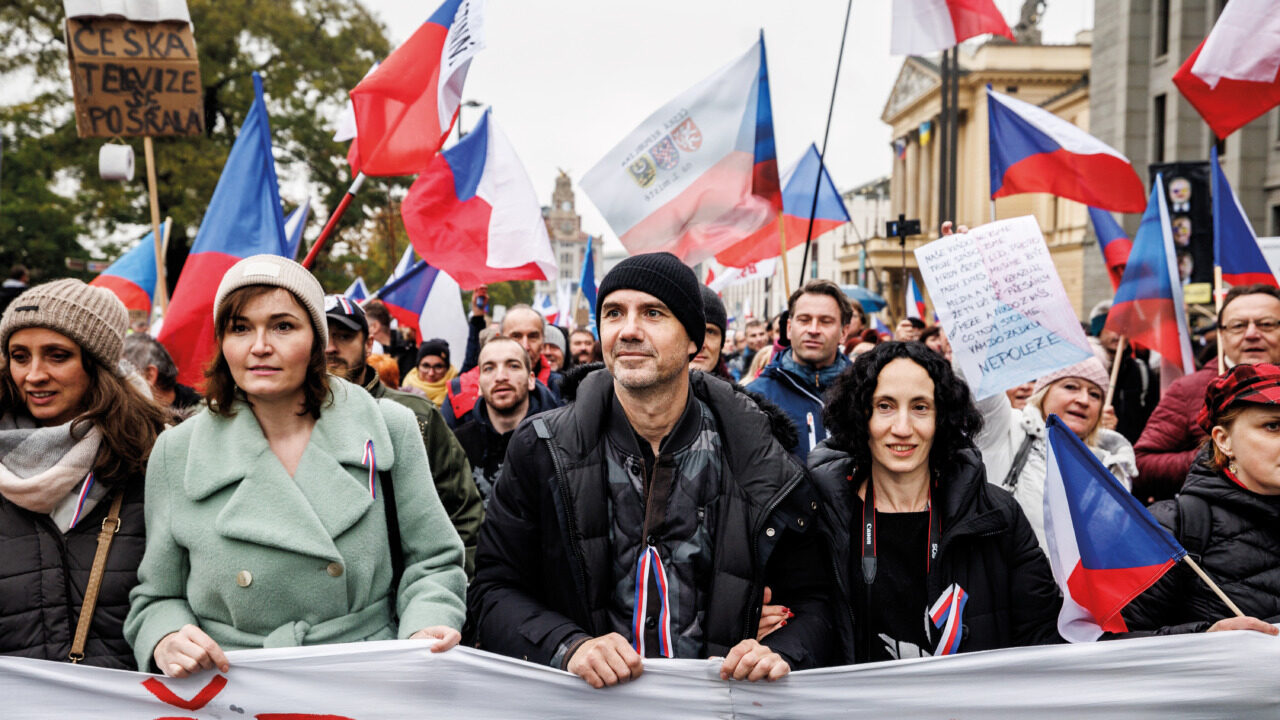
162, 296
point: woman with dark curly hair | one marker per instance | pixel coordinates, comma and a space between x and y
930, 557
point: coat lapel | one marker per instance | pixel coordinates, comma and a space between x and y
328, 494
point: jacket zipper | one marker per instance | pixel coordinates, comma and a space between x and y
748, 629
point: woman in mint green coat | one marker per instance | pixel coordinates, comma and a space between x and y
264, 514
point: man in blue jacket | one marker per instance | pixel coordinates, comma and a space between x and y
799, 376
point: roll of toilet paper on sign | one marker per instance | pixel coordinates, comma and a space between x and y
115, 162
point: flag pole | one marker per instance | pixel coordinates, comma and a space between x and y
817, 182
162, 288
1115, 371
1217, 306
333, 221
786, 271
1212, 585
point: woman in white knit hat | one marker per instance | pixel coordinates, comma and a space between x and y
295, 509
1013, 441
74, 441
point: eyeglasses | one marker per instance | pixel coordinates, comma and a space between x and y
1266, 325
434, 368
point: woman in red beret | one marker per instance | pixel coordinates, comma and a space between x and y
1227, 516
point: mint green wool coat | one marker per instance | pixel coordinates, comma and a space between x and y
256, 558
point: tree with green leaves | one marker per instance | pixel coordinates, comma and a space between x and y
310, 53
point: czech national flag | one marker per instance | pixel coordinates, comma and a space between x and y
921, 27
473, 213
426, 299
243, 218
406, 107
1033, 150
700, 174
797, 202
1148, 307
1113, 241
881, 329
293, 227
132, 277
915, 301
1235, 246
358, 291
1104, 547
1234, 75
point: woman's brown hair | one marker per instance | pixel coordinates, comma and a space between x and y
128, 421
221, 390
1226, 419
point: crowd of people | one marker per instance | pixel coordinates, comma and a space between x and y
796, 493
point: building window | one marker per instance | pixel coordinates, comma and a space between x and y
1157, 128
1162, 28
1275, 220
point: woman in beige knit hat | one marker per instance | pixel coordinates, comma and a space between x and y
74, 442
1013, 441
295, 509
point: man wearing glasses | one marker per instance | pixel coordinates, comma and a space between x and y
1249, 329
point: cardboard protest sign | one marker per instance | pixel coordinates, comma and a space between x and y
134, 79
1002, 304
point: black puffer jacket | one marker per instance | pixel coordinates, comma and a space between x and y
544, 567
986, 546
43, 574
1241, 553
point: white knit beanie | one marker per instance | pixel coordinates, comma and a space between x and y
282, 273
91, 316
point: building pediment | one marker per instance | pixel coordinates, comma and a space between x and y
917, 78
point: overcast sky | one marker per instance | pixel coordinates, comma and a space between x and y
568, 79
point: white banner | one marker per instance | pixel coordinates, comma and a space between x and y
1230, 674
731, 276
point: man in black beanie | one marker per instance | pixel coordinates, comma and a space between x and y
647, 518
709, 358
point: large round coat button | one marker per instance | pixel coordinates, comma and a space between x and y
334, 569
244, 578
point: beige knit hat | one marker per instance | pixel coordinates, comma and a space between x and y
282, 273
92, 316
1090, 369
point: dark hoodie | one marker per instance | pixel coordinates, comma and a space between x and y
486, 447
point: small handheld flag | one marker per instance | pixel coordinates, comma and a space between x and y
915, 301
1235, 246
1104, 547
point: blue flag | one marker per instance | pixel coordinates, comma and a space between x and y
587, 283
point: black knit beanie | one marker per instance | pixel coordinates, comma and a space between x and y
434, 346
663, 276
714, 310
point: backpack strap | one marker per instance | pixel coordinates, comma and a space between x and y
1019, 461
1194, 524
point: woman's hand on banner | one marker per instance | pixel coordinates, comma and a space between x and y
606, 660
1244, 623
187, 652
445, 636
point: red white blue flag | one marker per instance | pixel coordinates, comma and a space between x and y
358, 291
1032, 150
1113, 241
132, 277
698, 175
473, 213
406, 107
426, 299
244, 218
1234, 75
915, 300
1104, 547
921, 27
1235, 246
1148, 307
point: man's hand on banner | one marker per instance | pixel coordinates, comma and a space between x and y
606, 660
445, 636
749, 660
948, 229
188, 651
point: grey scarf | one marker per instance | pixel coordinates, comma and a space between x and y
43, 468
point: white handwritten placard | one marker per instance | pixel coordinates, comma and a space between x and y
1002, 304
